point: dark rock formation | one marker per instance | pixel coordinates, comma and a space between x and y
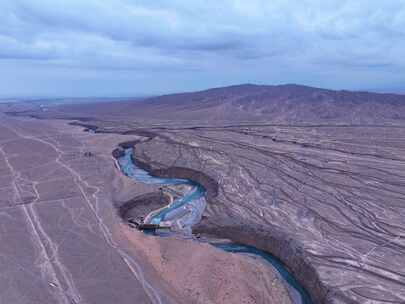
118, 152
141, 206
179, 172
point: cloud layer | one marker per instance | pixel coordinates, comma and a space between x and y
204, 43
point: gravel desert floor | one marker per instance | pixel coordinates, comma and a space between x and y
328, 201
326, 198
63, 242
202, 152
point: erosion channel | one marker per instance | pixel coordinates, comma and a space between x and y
185, 209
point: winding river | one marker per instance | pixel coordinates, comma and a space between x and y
187, 211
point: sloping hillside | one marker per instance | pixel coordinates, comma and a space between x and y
283, 104
279, 104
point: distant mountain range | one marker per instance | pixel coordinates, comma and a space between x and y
279, 104
276, 104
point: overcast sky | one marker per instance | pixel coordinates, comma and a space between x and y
128, 47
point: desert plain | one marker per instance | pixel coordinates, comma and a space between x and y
322, 191
64, 242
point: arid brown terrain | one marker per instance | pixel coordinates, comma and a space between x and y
316, 177
63, 241
284, 104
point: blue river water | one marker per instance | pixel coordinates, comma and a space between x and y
300, 294
129, 168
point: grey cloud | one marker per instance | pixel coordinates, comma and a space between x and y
307, 37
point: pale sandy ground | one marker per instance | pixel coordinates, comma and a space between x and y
204, 274
88, 254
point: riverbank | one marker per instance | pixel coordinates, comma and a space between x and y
129, 167
331, 189
206, 275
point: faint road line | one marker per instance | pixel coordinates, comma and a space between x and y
129, 261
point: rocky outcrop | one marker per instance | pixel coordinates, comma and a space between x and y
275, 242
313, 197
141, 206
118, 152
210, 185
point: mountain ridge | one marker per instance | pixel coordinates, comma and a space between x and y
288, 104
282, 87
